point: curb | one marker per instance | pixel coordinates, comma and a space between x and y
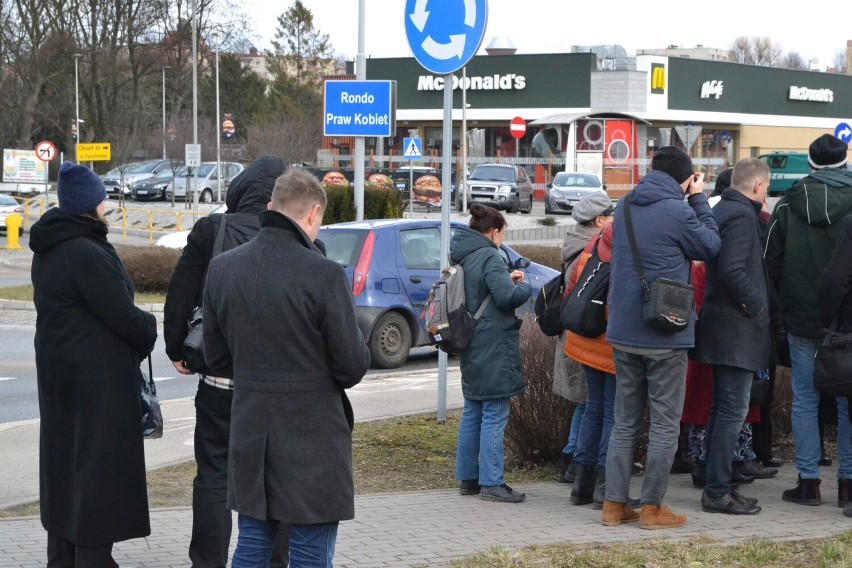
25, 305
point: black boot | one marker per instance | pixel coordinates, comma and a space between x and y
566, 468
806, 492
600, 491
584, 485
699, 474
844, 492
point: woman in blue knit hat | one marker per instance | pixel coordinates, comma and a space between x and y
90, 339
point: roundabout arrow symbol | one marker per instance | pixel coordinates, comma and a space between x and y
420, 15
444, 51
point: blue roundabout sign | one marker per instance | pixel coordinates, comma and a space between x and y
444, 34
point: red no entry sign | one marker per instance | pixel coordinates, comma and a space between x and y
518, 127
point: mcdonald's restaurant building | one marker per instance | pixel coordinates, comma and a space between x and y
583, 117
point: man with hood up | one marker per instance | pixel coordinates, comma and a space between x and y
248, 195
804, 228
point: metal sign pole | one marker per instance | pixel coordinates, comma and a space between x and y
445, 227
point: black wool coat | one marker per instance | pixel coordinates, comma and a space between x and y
734, 324
835, 284
90, 339
280, 319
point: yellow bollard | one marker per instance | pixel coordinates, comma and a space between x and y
13, 225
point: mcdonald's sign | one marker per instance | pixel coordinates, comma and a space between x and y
658, 79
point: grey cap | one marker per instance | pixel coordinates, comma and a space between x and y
591, 206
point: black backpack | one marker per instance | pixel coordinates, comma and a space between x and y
548, 303
584, 310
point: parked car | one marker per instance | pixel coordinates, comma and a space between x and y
566, 190
207, 181
9, 205
391, 265
152, 188
178, 240
132, 172
502, 186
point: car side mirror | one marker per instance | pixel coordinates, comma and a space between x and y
604, 186
522, 262
549, 186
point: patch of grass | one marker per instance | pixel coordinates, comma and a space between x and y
25, 510
548, 221
399, 454
25, 293
698, 553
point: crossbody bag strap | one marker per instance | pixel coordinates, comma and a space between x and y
219, 243
631, 238
151, 375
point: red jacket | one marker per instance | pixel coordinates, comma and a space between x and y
592, 352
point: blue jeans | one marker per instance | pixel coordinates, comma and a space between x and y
479, 454
311, 546
597, 419
731, 392
806, 412
574, 428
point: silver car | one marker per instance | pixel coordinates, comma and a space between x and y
207, 184
567, 189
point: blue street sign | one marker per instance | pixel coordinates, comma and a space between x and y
359, 108
412, 148
445, 36
844, 132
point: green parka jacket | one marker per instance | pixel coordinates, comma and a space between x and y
491, 364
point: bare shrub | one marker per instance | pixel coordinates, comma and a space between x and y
538, 423
150, 268
541, 254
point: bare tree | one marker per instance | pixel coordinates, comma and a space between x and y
840, 60
293, 137
793, 60
755, 51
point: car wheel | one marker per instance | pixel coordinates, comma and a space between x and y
206, 196
514, 207
390, 341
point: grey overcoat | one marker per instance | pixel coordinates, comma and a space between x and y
280, 319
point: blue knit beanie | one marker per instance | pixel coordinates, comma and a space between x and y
79, 189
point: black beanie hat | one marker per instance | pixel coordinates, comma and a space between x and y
827, 151
723, 181
79, 189
674, 162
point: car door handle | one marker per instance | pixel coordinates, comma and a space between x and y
416, 279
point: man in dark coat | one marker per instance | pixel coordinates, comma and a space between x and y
734, 334
805, 226
650, 364
90, 339
280, 319
248, 195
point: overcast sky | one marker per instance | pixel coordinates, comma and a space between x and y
553, 26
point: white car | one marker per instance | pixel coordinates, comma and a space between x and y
207, 181
178, 240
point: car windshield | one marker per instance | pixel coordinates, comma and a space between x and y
6, 200
203, 170
342, 246
164, 174
497, 173
141, 168
576, 180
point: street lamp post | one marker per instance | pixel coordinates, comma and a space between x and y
76, 57
218, 131
195, 195
164, 109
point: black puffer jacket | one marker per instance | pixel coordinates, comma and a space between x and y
247, 196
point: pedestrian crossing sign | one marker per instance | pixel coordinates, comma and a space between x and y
413, 148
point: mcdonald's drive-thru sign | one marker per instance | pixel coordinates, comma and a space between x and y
658, 79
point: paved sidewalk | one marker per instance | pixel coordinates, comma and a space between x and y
433, 527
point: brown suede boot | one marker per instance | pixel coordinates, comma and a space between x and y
659, 517
844, 492
616, 513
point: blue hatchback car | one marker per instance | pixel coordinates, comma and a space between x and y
392, 264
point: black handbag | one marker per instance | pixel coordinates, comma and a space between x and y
152, 415
193, 344
584, 310
666, 304
833, 363
759, 392
548, 303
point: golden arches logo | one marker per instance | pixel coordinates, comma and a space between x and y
658, 79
